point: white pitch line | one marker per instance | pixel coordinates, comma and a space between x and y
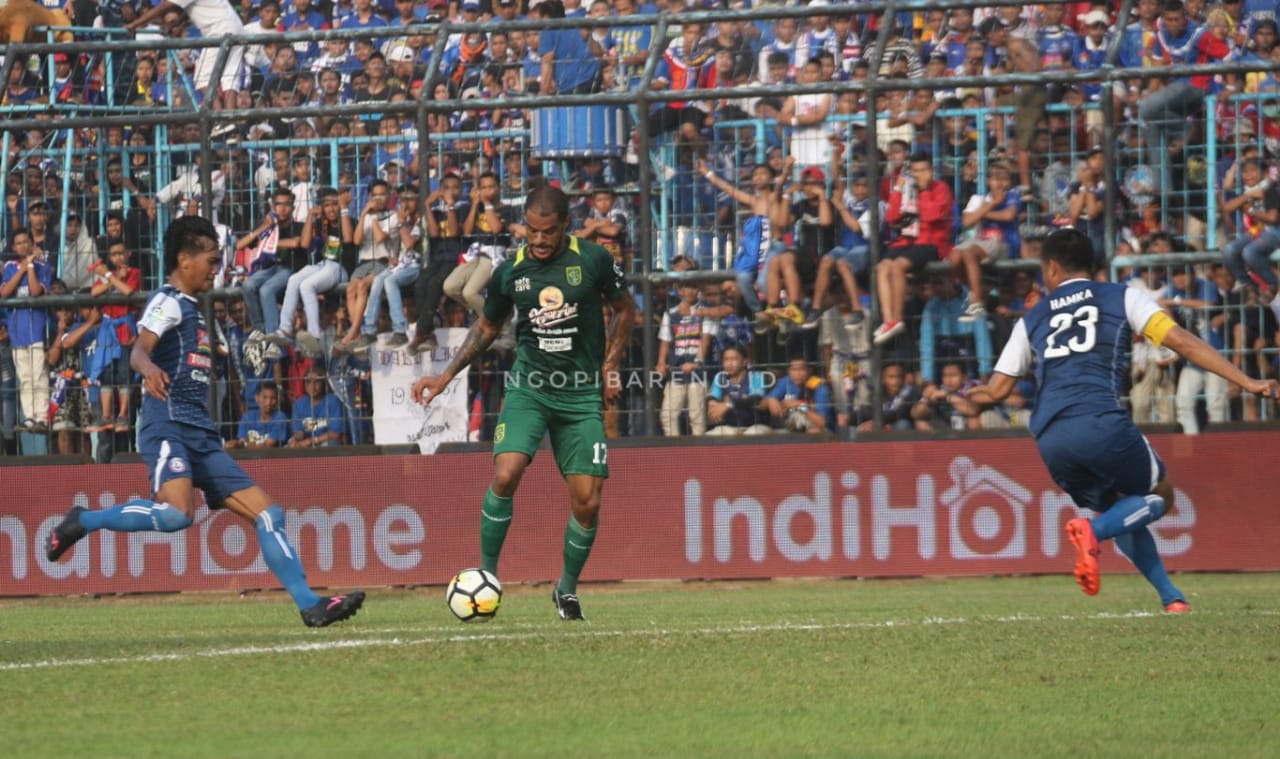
334, 645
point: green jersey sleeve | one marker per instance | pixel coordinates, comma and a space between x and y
610, 280
498, 303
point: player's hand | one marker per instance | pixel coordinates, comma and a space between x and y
1265, 388
156, 383
612, 383
426, 389
702, 166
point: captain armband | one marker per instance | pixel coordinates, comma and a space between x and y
1158, 327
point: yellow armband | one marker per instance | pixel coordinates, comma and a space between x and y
1157, 327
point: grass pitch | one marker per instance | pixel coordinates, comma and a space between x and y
1025, 667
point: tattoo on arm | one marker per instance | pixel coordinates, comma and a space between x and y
478, 340
620, 332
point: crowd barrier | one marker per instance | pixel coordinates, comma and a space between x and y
973, 507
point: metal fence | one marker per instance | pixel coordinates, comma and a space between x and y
195, 157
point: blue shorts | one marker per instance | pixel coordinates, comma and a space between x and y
172, 450
856, 257
1098, 459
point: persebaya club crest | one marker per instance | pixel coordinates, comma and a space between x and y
574, 275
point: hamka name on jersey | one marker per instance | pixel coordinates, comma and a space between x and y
1070, 300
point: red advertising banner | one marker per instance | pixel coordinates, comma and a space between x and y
969, 507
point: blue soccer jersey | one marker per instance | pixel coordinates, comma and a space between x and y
184, 353
1078, 339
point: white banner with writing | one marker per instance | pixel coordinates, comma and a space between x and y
397, 419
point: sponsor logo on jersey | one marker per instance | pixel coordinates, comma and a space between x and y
199, 361
555, 344
574, 275
553, 308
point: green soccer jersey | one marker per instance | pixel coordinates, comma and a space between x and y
559, 305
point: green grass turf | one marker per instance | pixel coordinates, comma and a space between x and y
1025, 667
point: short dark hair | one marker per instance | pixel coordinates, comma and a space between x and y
268, 385
183, 236
548, 200
921, 156
1071, 248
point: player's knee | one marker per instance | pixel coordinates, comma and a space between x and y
1157, 505
506, 480
168, 518
271, 519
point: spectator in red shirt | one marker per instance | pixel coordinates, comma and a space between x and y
117, 278
920, 212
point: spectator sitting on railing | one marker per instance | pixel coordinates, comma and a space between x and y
445, 214
920, 210
26, 275
266, 426
993, 218
796, 267
569, 65
1167, 103
275, 242
767, 209
801, 401
317, 416
326, 234
215, 19
849, 257
376, 237
487, 227
403, 269
1249, 254
118, 278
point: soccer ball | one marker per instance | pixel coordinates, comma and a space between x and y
473, 595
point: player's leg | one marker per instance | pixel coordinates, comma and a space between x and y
521, 426
1128, 465
577, 438
169, 511
267, 517
1139, 547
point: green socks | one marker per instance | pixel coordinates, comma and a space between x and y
495, 518
577, 547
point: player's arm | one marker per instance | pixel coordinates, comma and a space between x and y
1206, 357
478, 339
1015, 361
161, 315
617, 341
1146, 317
154, 380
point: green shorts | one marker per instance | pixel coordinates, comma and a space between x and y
576, 427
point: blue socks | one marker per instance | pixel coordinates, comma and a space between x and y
1128, 514
1140, 548
281, 558
137, 515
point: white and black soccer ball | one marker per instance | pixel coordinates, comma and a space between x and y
473, 595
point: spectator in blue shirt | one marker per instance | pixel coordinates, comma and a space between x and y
317, 416
568, 65
801, 401
267, 427
26, 275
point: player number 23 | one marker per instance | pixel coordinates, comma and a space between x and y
1086, 318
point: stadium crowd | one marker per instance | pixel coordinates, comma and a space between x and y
782, 345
